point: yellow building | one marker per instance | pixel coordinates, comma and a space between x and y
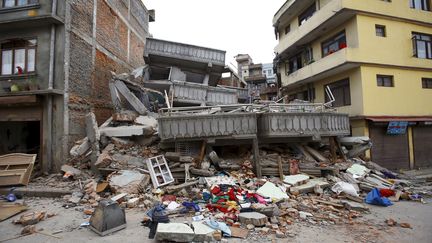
376, 58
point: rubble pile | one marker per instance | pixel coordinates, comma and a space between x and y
216, 188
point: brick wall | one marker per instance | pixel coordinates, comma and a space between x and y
91, 65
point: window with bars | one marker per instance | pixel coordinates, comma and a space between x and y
422, 45
334, 44
17, 3
385, 81
380, 30
18, 56
420, 4
341, 92
427, 83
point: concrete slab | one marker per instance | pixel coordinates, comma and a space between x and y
176, 232
295, 180
126, 131
272, 191
202, 232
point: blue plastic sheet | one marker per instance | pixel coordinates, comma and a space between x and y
374, 197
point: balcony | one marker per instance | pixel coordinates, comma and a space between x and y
196, 54
34, 13
242, 93
198, 94
333, 14
337, 62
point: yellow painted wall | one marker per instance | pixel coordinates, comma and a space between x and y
394, 49
395, 8
407, 98
359, 128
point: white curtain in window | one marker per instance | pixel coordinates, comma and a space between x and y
19, 60
9, 3
421, 49
31, 60
6, 63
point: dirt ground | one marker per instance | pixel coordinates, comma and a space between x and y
369, 228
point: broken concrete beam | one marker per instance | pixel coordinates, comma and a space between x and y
186, 159
354, 206
125, 116
127, 131
317, 155
81, 148
104, 159
310, 185
203, 233
171, 189
176, 232
93, 135
136, 104
306, 154
254, 218
206, 173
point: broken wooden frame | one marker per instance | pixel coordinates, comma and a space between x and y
159, 171
16, 169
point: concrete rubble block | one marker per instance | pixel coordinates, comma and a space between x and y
127, 131
147, 121
133, 202
70, 171
80, 148
202, 232
310, 185
176, 232
267, 210
295, 180
254, 218
127, 181
272, 191
173, 156
125, 116
305, 215
350, 205
104, 158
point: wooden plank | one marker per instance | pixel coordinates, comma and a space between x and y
332, 143
24, 113
16, 176
115, 98
281, 174
130, 97
12, 100
7, 211
256, 158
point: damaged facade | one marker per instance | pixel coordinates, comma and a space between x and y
375, 56
56, 58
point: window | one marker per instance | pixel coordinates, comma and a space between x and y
287, 29
15, 3
420, 4
303, 17
422, 45
341, 93
385, 81
300, 60
18, 56
334, 44
380, 30
427, 83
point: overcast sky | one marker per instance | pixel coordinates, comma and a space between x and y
236, 26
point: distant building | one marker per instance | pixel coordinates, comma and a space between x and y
376, 58
56, 58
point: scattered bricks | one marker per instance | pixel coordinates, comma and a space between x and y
88, 211
391, 222
176, 232
104, 159
125, 116
254, 218
28, 230
30, 218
